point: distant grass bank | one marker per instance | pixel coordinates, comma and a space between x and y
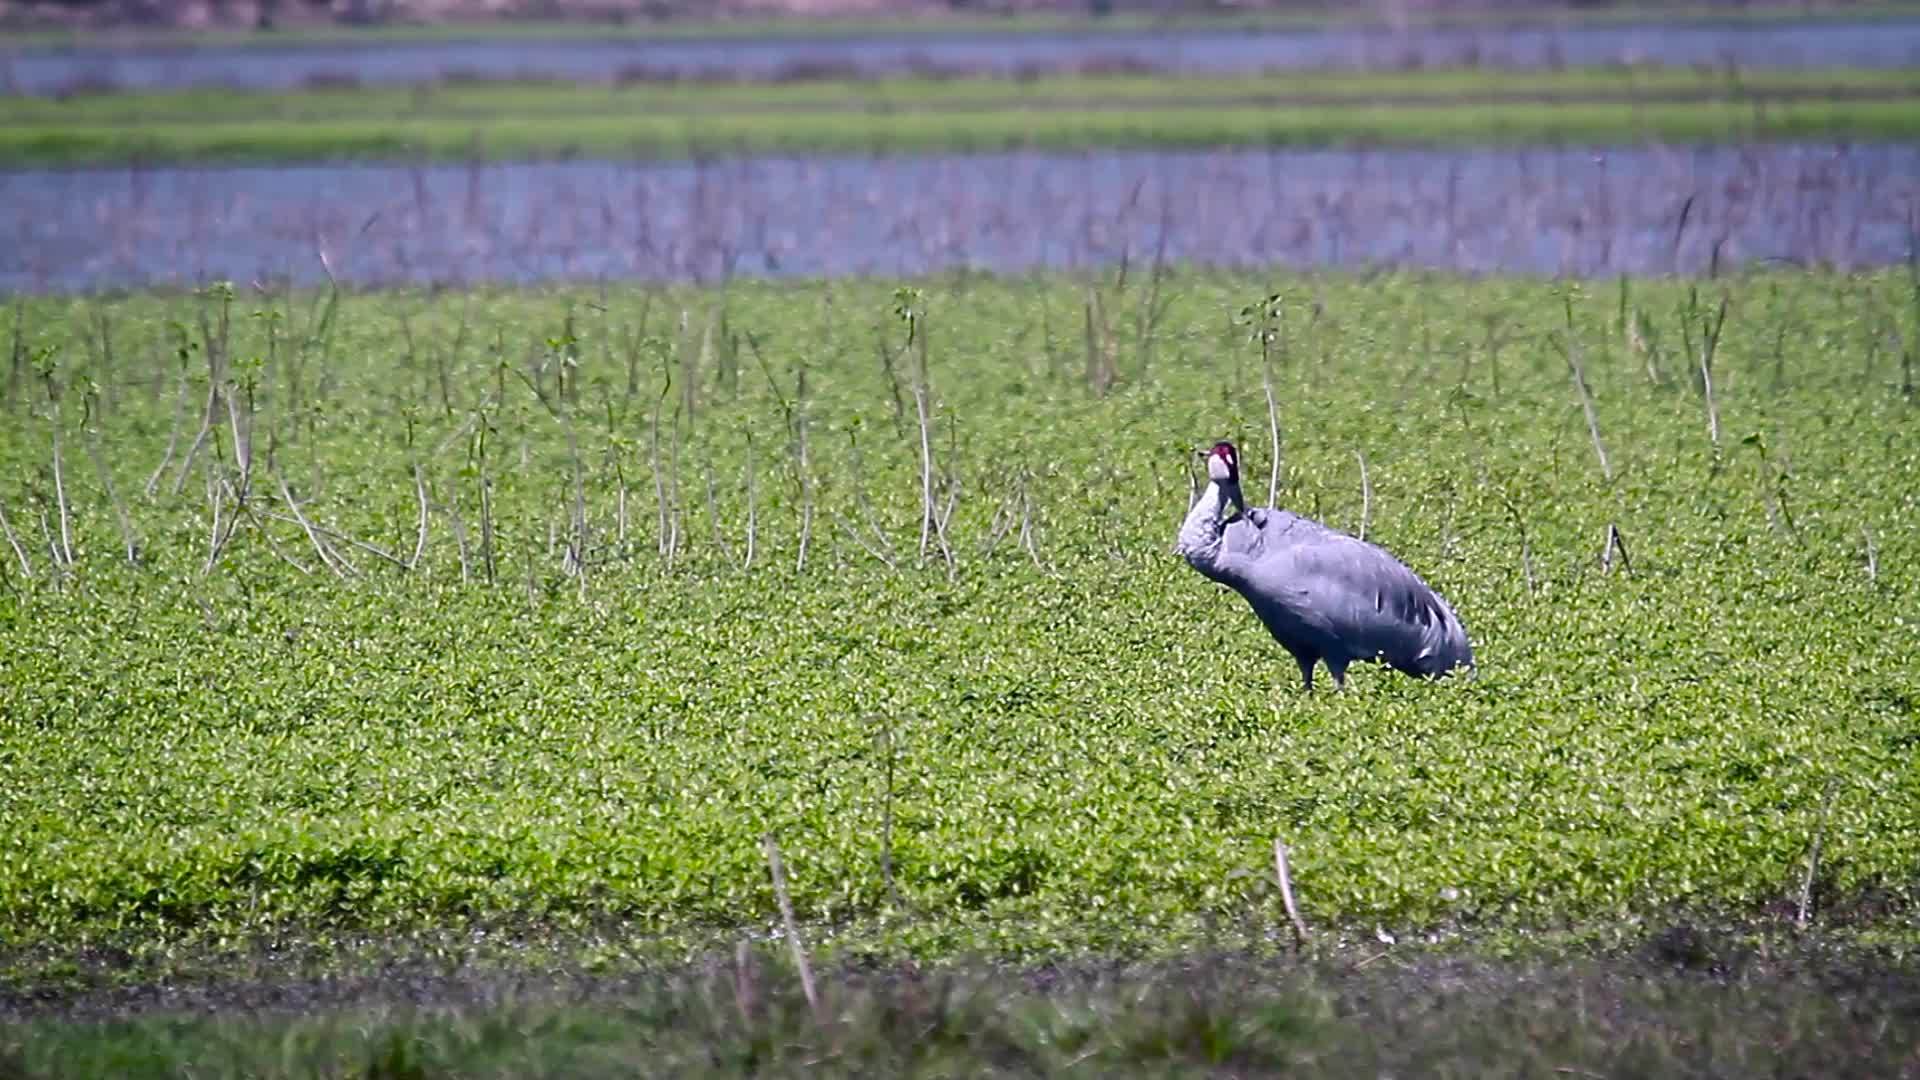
656, 120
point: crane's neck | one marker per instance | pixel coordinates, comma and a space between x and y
1200, 533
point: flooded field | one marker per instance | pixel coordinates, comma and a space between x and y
1544, 211
1786, 44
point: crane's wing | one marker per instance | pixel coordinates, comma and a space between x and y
1347, 592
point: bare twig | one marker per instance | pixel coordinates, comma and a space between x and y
1273, 430
799, 947
129, 543
328, 557
13, 540
1586, 395
1286, 893
1805, 913
1873, 556
459, 538
752, 506
1614, 542
420, 493
1366, 494
886, 819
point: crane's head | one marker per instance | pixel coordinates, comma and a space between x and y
1223, 463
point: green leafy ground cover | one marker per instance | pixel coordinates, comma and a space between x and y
1063, 740
510, 120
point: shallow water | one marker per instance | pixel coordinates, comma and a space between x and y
1836, 43
1541, 211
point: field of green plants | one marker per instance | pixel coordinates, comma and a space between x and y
348, 616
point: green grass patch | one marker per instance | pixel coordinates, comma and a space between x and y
1066, 741
548, 120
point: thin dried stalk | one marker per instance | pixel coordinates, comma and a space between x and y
1873, 555
1286, 893
752, 506
1586, 398
799, 947
1026, 521
1804, 915
1366, 494
926, 469
173, 433
1273, 430
460, 539
420, 494
328, 557
129, 543
1614, 542
13, 540
60, 498
713, 516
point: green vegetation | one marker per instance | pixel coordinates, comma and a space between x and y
507, 120
580, 688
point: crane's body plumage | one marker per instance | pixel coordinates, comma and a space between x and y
1322, 594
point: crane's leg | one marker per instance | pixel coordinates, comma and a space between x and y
1306, 670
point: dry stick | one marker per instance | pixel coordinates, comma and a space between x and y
486, 524
673, 491
793, 930
1526, 548
215, 541
127, 539
1273, 429
328, 557
926, 468
26, 568
53, 546
713, 515
420, 493
242, 441
1366, 494
173, 434
1708, 346
753, 513
210, 415
1873, 557
1286, 893
60, 495
800, 453
883, 556
1586, 399
1614, 542
460, 538
886, 823
1805, 914
1026, 520
659, 475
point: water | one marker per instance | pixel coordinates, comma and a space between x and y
1539, 211
1763, 44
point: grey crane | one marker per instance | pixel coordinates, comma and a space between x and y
1323, 595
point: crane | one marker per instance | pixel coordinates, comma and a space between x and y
1322, 594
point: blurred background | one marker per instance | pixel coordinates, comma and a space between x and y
149, 142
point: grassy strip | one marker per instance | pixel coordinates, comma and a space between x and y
1333, 16
506, 98
657, 135
1409, 1015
